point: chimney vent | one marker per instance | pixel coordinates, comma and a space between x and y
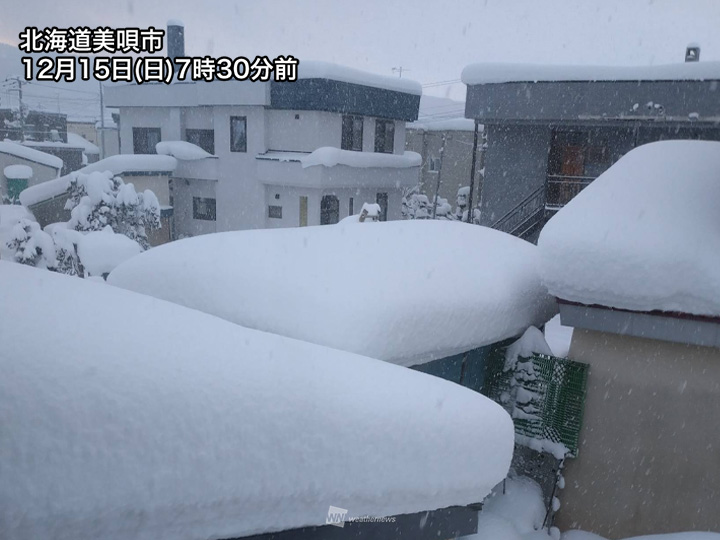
175, 38
692, 53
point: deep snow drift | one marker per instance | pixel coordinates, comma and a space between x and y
644, 235
406, 291
124, 416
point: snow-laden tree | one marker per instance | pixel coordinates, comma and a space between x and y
66, 249
31, 245
416, 205
100, 199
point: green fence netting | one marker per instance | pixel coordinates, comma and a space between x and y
553, 391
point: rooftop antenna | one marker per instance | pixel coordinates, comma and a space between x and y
399, 71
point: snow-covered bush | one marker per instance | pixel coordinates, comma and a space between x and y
100, 199
30, 245
416, 205
66, 249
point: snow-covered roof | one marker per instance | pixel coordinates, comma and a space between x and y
182, 150
644, 235
489, 73
52, 144
326, 70
450, 124
175, 22
359, 289
330, 156
20, 172
30, 154
101, 251
78, 140
118, 164
128, 417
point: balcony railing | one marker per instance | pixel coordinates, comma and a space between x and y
561, 189
523, 215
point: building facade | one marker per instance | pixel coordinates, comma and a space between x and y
288, 154
446, 149
551, 130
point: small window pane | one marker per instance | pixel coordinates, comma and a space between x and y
275, 212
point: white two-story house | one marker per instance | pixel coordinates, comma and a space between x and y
288, 154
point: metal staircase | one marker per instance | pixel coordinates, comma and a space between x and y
526, 218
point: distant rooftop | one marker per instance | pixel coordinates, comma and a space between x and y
495, 73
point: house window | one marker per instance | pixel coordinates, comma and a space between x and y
145, 139
204, 208
238, 134
434, 164
204, 138
303, 211
576, 158
275, 212
329, 210
352, 133
384, 136
382, 200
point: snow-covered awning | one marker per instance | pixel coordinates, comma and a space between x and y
118, 164
128, 417
493, 73
449, 124
330, 156
644, 235
30, 154
406, 292
182, 150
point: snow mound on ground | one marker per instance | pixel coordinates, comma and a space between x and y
644, 235
582, 535
181, 150
19, 172
101, 251
359, 289
128, 417
330, 156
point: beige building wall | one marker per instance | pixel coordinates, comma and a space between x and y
456, 163
649, 458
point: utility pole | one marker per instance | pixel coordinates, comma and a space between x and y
437, 185
20, 82
472, 171
102, 123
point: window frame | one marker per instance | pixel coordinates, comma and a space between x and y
242, 148
210, 215
275, 209
145, 130
384, 134
350, 139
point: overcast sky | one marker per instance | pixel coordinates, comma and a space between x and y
433, 39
